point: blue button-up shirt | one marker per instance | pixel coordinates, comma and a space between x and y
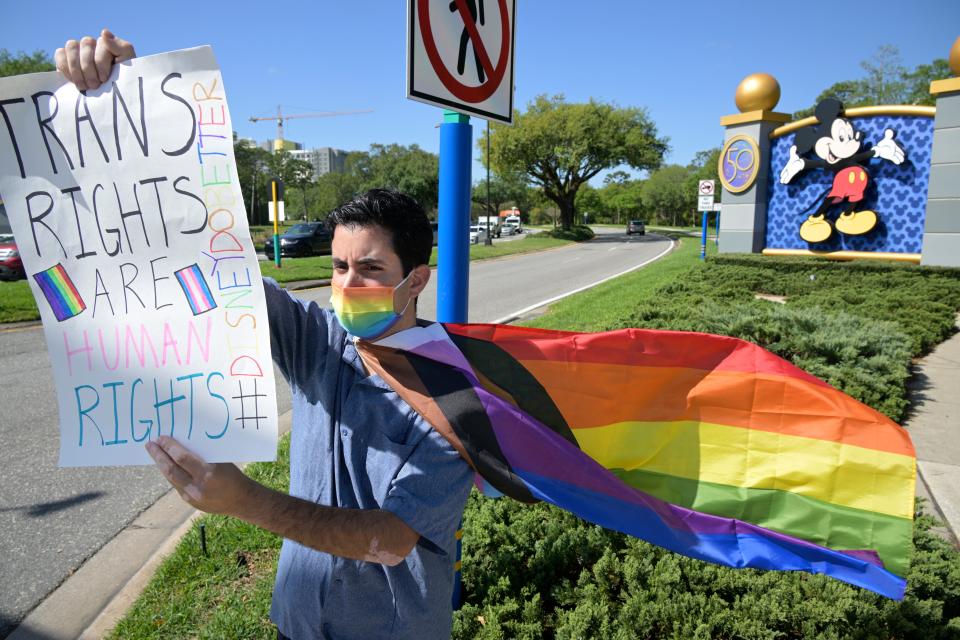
356, 444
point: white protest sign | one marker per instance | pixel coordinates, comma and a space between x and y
128, 215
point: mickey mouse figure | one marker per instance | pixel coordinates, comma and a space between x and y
836, 145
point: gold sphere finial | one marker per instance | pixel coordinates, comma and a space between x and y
955, 58
758, 91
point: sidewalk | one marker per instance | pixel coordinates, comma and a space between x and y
934, 426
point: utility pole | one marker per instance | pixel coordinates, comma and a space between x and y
253, 195
489, 239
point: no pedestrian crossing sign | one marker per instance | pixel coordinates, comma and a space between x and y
705, 188
460, 56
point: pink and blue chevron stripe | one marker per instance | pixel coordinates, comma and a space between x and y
195, 289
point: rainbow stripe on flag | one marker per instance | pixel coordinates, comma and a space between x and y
195, 289
706, 445
58, 289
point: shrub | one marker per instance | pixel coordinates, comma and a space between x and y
538, 572
578, 233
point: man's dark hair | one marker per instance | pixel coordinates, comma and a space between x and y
396, 212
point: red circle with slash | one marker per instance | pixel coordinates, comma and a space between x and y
494, 74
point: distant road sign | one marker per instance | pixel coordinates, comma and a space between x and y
705, 188
705, 203
460, 56
270, 211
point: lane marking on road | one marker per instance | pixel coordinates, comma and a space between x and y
518, 314
19, 329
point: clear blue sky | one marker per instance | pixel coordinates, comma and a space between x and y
681, 59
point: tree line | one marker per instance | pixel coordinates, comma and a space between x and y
885, 81
406, 168
548, 163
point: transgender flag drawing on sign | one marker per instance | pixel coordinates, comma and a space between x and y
195, 288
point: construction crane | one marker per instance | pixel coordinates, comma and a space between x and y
278, 142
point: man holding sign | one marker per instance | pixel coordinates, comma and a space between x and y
375, 492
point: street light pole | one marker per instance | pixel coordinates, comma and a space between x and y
489, 239
253, 196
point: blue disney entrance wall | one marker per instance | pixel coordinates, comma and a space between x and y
867, 182
896, 193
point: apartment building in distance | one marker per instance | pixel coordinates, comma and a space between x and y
324, 160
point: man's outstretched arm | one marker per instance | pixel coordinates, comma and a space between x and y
372, 535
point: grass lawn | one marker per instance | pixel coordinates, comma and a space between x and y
225, 594
16, 302
665, 228
593, 310
296, 269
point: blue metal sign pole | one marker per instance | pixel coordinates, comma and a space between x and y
453, 242
453, 250
703, 239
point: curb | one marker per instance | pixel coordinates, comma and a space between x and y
104, 577
297, 285
19, 326
95, 597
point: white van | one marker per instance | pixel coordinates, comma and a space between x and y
513, 221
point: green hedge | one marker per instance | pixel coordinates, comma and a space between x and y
577, 233
537, 572
923, 300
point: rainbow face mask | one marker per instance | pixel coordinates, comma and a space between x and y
367, 312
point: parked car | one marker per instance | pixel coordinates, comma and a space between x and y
637, 226
11, 266
303, 239
507, 229
478, 234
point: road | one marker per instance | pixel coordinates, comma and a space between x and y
52, 519
517, 236
500, 288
